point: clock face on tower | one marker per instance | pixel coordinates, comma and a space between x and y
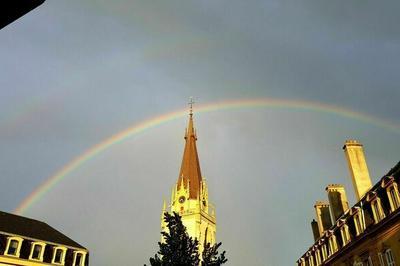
182, 199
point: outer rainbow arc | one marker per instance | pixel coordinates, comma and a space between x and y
223, 105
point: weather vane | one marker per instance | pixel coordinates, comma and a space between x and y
191, 102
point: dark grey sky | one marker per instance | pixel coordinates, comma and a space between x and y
73, 73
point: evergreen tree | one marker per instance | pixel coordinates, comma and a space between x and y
178, 249
210, 255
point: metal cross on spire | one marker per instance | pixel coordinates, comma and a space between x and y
191, 102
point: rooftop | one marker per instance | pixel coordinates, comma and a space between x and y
26, 227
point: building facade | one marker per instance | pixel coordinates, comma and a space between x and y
189, 196
368, 233
28, 242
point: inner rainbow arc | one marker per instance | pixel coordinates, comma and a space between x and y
53, 180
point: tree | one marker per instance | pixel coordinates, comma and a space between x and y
210, 255
179, 249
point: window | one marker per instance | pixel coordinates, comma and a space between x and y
393, 197
79, 258
36, 252
311, 260
324, 253
381, 260
377, 210
369, 261
344, 231
389, 258
59, 255
13, 246
318, 257
358, 223
332, 245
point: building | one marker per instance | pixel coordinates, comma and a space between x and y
189, 196
11, 10
368, 233
29, 242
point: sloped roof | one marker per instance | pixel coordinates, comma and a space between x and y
395, 171
22, 226
190, 173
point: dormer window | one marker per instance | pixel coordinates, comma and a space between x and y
324, 253
377, 210
359, 222
332, 244
59, 255
37, 251
344, 231
12, 249
311, 260
318, 256
13, 246
79, 258
393, 196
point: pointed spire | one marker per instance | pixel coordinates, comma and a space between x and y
190, 174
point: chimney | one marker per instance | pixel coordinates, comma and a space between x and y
358, 167
337, 200
323, 216
315, 230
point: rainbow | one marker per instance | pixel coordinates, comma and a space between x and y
52, 181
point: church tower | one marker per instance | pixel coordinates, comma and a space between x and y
189, 196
